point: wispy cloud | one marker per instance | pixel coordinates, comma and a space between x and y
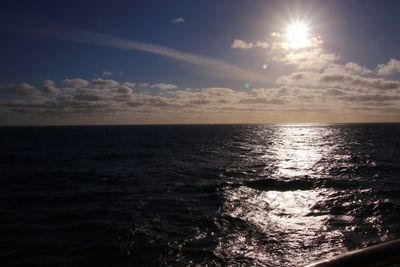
107, 73
178, 20
164, 86
214, 66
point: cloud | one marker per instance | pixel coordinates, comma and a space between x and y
354, 68
360, 82
237, 43
335, 92
107, 73
129, 84
263, 101
301, 79
391, 67
75, 83
87, 97
124, 90
280, 43
144, 85
126, 87
178, 20
315, 59
164, 86
240, 44
337, 80
314, 96
261, 44
371, 98
49, 88
101, 83
22, 89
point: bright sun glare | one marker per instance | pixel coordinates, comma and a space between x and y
297, 36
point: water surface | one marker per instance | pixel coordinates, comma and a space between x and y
274, 195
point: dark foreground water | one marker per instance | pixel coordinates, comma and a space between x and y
269, 195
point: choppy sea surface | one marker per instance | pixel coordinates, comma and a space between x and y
270, 195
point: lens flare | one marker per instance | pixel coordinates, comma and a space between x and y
247, 85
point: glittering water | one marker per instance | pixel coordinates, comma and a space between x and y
272, 195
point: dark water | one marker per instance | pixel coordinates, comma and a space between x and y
194, 195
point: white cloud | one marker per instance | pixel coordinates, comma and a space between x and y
391, 67
178, 20
280, 42
164, 86
75, 83
261, 44
354, 68
315, 59
240, 44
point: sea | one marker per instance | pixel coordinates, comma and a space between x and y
196, 195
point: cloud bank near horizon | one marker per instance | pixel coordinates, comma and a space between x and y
299, 96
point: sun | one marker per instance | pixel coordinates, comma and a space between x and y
297, 36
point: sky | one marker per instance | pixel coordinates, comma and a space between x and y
194, 62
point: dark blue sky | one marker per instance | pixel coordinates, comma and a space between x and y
43, 40
362, 31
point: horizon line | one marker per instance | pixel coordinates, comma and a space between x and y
198, 124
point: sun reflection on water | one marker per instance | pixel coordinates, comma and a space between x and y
299, 149
276, 225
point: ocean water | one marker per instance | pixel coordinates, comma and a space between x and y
271, 195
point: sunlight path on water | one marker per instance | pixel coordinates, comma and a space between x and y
299, 149
275, 223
